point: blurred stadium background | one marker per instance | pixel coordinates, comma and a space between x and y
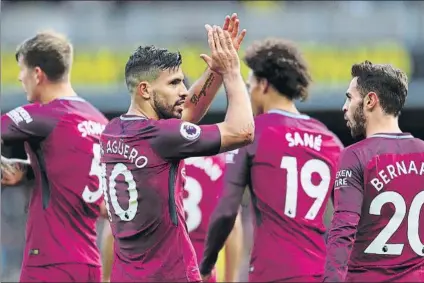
333, 35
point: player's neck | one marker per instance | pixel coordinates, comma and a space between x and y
386, 125
138, 110
55, 91
277, 101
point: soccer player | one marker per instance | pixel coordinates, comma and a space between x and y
377, 229
142, 153
289, 169
203, 188
61, 133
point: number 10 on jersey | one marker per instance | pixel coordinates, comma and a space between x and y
303, 176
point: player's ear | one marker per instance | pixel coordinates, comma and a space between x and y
144, 90
370, 100
264, 85
39, 75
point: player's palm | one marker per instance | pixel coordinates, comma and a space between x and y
232, 25
224, 59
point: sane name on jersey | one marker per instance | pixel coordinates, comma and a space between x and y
304, 139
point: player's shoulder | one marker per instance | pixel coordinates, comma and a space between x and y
360, 152
129, 125
78, 107
25, 112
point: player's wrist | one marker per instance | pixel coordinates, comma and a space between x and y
231, 76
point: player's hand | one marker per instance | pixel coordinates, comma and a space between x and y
224, 58
12, 174
232, 25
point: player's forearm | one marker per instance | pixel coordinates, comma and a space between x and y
328, 215
201, 95
233, 251
238, 126
339, 245
219, 229
107, 253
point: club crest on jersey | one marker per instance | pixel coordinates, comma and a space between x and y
190, 131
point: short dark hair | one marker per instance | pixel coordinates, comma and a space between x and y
146, 63
281, 63
51, 52
389, 83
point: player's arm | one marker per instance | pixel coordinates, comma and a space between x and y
107, 252
225, 214
233, 251
348, 196
24, 124
177, 139
21, 124
204, 90
329, 212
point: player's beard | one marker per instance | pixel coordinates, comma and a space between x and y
358, 127
164, 110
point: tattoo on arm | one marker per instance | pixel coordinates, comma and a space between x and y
196, 97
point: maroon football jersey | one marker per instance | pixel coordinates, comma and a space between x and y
62, 140
203, 187
290, 168
144, 194
380, 179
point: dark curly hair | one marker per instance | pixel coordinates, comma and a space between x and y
390, 84
281, 63
147, 62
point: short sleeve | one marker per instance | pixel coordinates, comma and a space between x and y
25, 123
177, 139
348, 187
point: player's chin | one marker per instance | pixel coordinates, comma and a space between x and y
30, 98
178, 113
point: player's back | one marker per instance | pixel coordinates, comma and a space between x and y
144, 200
389, 240
293, 163
64, 205
203, 188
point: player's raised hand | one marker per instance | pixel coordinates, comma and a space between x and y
232, 25
224, 58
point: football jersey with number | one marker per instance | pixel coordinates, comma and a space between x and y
143, 171
290, 169
203, 187
379, 197
62, 141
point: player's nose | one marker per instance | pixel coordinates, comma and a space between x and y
183, 94
344, 107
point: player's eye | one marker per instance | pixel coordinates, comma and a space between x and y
348, 96
176, 82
